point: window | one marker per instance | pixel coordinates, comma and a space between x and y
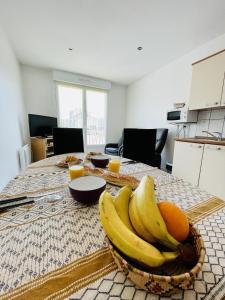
81, 107
70, 106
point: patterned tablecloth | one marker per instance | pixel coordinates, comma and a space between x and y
55, 249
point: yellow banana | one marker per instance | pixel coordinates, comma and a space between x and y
137, 223
149, 213
121, 202
125, 240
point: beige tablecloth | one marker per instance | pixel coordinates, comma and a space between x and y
55, 248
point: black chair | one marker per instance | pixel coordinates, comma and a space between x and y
113, 148
147, 146
139, 144
161, 136
68, 140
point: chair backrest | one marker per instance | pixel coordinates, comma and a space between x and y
120, 141
161, 136
139, 144
67, 140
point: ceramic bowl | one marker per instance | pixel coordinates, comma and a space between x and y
100, 161
87, 189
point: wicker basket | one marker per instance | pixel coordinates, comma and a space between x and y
175, 276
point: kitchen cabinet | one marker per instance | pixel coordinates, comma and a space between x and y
223, 93
187, 161
212, 177
207, 83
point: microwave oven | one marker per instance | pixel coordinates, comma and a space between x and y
182, 115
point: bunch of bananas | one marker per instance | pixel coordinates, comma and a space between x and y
132, 222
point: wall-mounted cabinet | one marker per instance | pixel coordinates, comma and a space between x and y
223, 93
207, 89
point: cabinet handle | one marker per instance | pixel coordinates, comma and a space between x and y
218, 148
199, 146
216, 103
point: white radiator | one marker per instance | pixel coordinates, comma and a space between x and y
25, 156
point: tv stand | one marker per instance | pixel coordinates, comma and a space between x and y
41, 147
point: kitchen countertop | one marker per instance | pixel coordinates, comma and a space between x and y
201, 141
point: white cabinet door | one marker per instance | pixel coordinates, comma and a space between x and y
212, 178
207, 82
187, 161
223, 93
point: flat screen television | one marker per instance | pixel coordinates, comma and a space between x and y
41, 125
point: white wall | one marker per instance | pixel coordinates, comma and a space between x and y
13, 123
39, 92
149, 98
116, 112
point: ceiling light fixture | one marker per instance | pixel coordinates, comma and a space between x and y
139, 48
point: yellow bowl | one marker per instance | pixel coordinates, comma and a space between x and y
177, 279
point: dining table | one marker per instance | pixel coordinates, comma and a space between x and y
55, 247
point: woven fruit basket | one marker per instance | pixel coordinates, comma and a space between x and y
167, 279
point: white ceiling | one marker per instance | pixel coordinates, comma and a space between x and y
105, 34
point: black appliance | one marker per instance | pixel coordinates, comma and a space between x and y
41, 125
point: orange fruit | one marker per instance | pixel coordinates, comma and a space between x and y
176, 220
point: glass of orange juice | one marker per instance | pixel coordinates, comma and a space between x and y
114, 165
76, 171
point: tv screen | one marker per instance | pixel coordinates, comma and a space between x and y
41, 125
